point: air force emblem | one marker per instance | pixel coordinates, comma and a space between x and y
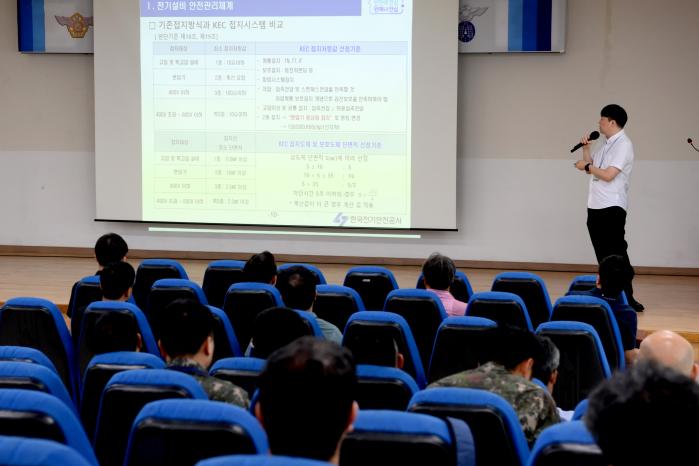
467, 30
76, 24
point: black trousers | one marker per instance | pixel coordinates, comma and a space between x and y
607, 230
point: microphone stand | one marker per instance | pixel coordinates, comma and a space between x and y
689, 140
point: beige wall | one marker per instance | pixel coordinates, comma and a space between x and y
519, 198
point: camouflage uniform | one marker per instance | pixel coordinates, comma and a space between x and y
534, 406
216, 389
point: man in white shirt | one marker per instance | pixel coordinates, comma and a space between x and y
609, 168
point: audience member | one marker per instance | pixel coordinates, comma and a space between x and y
274, 328
115, 331
116, 281
438, 272
509, 375
614, 274
671, 350
545, 369
306, 399
187, 345
645, 415
379, 350
110, 248
261, 268
297, 285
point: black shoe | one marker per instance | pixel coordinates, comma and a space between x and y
638, 307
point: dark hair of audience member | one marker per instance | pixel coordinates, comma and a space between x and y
274, 328
110, 248
646, 414
438, 271
379, 350
549, 361
306, 396
260, 268
184, 327
615, 273
615, 112
114, 331
297, 285
514, 345
116, 279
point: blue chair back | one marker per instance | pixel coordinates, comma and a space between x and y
85, 291
580, 410
259, 460
23, 451
99, 371
27, 413
501, 307
125, 395
531, 288
381, 387
583, 362
37, 323
424, 312
242, 304
566, 444
311, 322
367, 325
226, 342
462, 343
28, 376
372, 283
187, 431
150, 271
26, 354
497, 433
317, 273
166, 290
336, 303
242, 372
406, 438
597, 313
218, 277
460, 288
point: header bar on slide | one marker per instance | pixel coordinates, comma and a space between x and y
243, 8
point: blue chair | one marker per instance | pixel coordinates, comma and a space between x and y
259, 460
311, 322
583, 362
381, 387
369, 325
25, 354
27, 413
597, 313
462, 343
125, 395
218, 277
37, 323
394, 437
242, 304
187, 431
565, 444
584, 283
242, 372
317, 273
85, 291
336, 303
372, 283
531, 288
28, 376
497, 433
580, 410
22, 451
96, 310
501, 307
99, 371
424, 312
460, 288
150, 271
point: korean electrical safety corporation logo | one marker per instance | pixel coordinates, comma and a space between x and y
467, 30
76, 24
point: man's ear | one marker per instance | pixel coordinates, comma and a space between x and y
258, 414
352, 417
400, 360
163, 353
139, 342
208, 346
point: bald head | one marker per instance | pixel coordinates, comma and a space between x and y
669, 349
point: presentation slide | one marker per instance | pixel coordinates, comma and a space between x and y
276, 112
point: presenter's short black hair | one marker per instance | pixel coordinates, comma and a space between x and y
110, 248
438, 271
116, 279
615, 112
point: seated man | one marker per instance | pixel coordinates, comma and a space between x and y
306, 399
297, 285
509, 375
378, 351
115, 331
187, 345
274, 328
110, 248
438, 272
671, 350
546, 370
645, 415
261, 268
613, 275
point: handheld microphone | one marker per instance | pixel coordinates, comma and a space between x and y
593, 136
689, 140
